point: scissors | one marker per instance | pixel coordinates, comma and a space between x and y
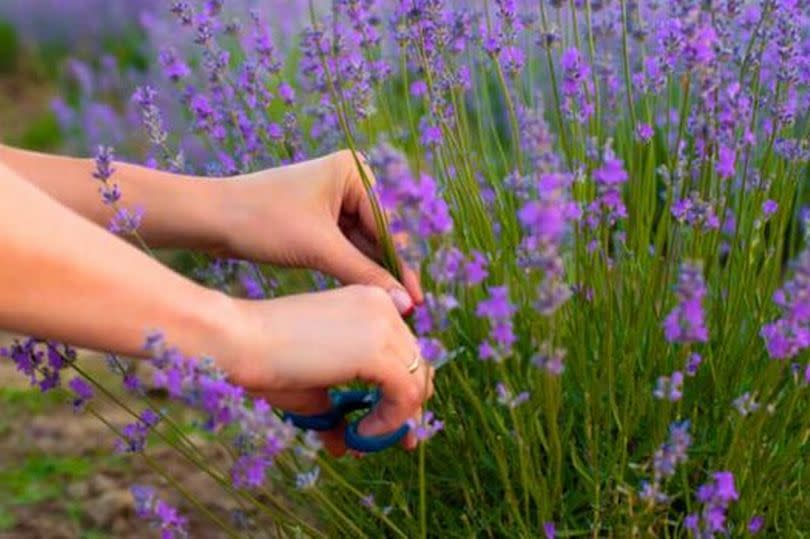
347, 401
343, 403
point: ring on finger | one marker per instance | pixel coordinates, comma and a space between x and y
417, 360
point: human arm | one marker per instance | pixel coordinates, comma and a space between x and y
65, 278
314, 214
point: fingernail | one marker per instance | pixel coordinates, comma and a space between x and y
402, 300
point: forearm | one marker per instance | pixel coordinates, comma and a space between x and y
64, 278
180, 211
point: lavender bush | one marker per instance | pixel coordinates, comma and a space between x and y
606, 202
79, 24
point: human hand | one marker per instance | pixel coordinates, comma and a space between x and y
291, 350
315, 214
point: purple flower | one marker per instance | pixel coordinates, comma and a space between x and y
686, 322
498, 310
40, 361
576, 85
715, 518
249, 471
134, 435
173, 66
665, 460
692, 363
110, 193
644, 132
419, 88
125, 221
546, 217
415, 204
433, 313
368, 501
144, 98
275, 131
669, 388
549, 530
159, 513
83, 392
475, 270
183, 12
694, 212
507, 398
427, 427
433, 351
756, 524
513, 59
608, 206
545, 221
746, 404
700, 49
788, 335
769, 207
715, 497
611, 172
724, 486
431, 135
287, 93
259, 434
447, 265
549, 359
651, 492
725, 162
104, 159
307, 480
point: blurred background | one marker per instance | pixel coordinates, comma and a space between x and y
67, 70
50, 52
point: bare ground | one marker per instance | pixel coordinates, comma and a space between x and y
59, 478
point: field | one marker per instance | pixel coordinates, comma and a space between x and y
605, 201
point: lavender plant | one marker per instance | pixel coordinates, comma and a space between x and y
606, 200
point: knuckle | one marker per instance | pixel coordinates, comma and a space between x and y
346, 165
373, 274
377, 301
379, 336
343, 160
411, 396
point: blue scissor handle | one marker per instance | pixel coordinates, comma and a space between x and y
343, 403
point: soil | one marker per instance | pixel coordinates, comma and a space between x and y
59, 478
76, 487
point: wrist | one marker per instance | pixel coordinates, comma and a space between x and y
220, 330
180, 211
240, 207
246, 341
204, 224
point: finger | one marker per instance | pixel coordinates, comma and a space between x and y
299, 401
429, 383
427, 372
403, 392
369, 247
349, 265
412, 283
357, 202
411, 441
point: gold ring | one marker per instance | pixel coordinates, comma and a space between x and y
417, 359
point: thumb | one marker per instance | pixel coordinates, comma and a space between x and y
349, 265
